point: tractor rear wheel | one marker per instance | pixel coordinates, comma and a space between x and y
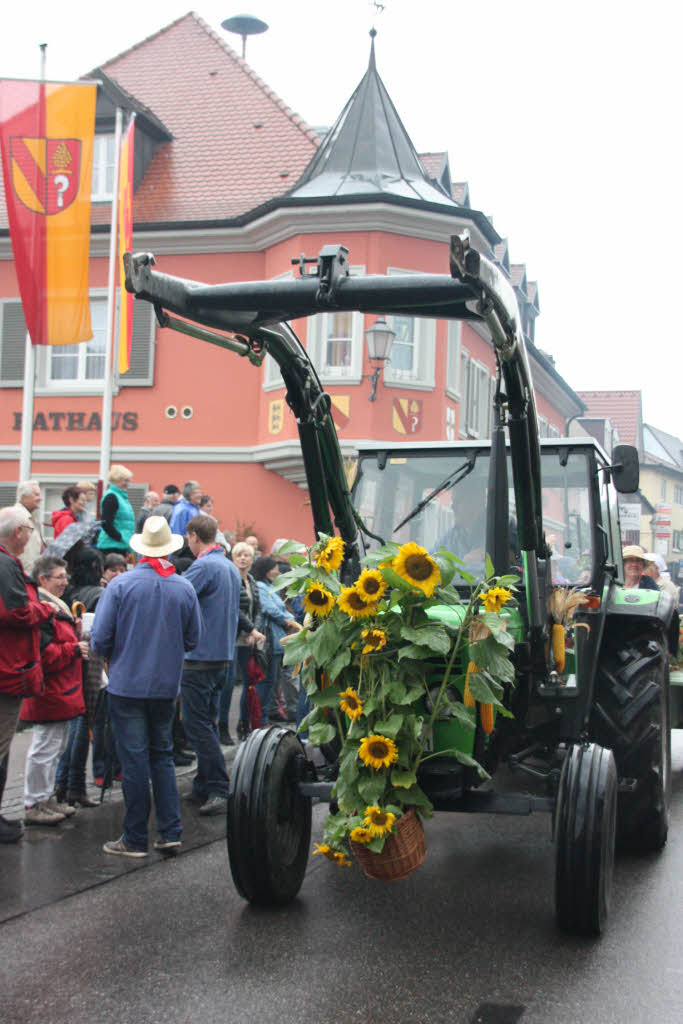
584, 827
631, 717
269, 820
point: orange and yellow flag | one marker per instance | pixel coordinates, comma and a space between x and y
126, 165
46, 135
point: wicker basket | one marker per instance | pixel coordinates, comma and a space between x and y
404, 850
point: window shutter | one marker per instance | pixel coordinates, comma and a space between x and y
13, 345
141, 371
8, 494
453, 358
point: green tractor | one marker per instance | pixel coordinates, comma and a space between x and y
591, 738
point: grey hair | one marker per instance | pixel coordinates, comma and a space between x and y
10, 518
189, 487
25, 487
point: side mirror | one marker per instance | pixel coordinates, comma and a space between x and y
625, 468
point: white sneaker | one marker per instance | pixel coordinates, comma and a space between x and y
41, 814
53, 804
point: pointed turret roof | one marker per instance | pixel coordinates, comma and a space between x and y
368, 151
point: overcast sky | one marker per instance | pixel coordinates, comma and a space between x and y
565, 119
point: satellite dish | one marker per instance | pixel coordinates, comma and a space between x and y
244, 25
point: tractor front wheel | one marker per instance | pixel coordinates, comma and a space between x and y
585, 827
269, 820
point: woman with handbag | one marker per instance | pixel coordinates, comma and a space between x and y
278, 622
249, 636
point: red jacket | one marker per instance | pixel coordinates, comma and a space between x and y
61, 518
21, 614
60, 657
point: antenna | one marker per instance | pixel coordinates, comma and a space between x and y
244, 25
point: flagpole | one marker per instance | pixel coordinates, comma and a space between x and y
105, 450
29, 365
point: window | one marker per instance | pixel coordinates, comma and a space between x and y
678, 495
453, 358
475, 391
677, 542
82, 363
403, 349
663, 492
334, 342
338, 341
103, 167
413, 351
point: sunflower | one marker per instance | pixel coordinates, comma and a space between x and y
413, 564
377, 751
360, 835
318, 600
374, 640
324, 849
351, 704
341, 860
371, 585
377, 821
495, 598
351, 602
330, 556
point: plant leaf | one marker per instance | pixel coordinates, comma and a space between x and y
371, 788
403, 779
390, 726
321, 733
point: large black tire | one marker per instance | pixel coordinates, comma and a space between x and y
585, 827
269, 821
631, 716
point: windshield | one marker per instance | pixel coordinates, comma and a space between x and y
388, 488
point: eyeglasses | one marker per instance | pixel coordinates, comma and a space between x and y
27, 526
61, 576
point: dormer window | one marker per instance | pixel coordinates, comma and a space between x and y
103, 168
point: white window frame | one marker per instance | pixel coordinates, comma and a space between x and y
453, 358
316, 345
421, 377
476, 405
45, 385
100, 165
272, 378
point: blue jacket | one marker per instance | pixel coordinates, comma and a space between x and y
275, 614
217, 584
144, 624
182, 512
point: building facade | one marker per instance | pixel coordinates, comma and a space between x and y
235, 189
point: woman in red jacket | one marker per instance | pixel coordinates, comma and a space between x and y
61, 700
74, 505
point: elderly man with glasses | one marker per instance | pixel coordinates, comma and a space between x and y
21, 616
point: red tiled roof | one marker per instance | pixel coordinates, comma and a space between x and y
518, 274
433, 163
623, 408
460, 191
236, 144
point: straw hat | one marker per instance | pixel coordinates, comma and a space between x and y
156, 539
633, 551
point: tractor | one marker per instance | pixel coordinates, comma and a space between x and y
590, 736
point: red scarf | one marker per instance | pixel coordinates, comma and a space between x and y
160, 565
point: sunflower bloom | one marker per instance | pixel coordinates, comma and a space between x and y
371, 585
378, 822
352, 604
374, 640
341, 860
495, 598
377, 751
318, 601
330, 556
324, 850
413, 564
351, 704
361, 835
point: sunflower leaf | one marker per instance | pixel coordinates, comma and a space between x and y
465, 716
338, 662
321, 733
327, 698
371, 788
298, 648
433, 636
411, 651
489, 571
482, 689
403, 779
498, 629
471, 763
325, 644
396, 691
348, 766
415, 797
488, 654
390, 726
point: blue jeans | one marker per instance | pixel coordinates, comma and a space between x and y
240, 661
199, 693
142, 730
269, 687
71, 767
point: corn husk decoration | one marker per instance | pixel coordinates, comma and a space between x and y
562, 604
478, 631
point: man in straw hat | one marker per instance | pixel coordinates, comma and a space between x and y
145, 621
634, 569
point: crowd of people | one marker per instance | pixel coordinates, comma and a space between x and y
126, 638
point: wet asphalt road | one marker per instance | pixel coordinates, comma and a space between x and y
470, 937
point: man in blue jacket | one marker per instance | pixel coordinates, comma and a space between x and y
145, 622
217, 583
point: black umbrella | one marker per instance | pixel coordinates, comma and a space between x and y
73, 534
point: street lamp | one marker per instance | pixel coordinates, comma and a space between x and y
379, 338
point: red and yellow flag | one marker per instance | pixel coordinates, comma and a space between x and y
46, 135
126, 243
